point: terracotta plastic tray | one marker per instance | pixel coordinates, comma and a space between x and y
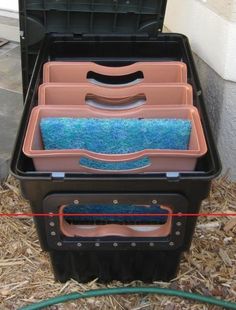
69, 160
148, 230
147, 72
132, 96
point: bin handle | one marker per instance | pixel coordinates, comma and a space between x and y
79, 70
102, 97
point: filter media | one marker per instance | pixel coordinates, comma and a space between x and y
115, 136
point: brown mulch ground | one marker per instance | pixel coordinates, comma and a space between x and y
209, 268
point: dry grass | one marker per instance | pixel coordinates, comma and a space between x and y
209, 268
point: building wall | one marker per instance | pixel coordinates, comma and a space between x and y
225, 8
211, 28
220, 98
11, 5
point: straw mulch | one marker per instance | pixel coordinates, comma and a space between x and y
209, 268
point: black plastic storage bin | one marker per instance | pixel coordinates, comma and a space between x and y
112, 33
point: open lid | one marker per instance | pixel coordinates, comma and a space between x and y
39, 17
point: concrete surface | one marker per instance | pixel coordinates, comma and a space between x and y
9, 25
11, 104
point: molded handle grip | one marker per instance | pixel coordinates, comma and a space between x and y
77, 72
77, 94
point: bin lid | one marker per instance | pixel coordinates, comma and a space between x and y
39, 17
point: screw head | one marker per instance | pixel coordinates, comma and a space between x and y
179, 224
52, 224
177, 233
133, 244
59, 244
171, 243
115, 244
76, 202
53, 233
115, 202
154, 201
97, 244
79, 244
151, 244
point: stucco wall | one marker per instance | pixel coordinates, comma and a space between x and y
11, 5
225, 8
220, 98
212, 36
211, 27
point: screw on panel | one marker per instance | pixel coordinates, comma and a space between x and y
177, 233
79, 244
59, 244
115, 244
51, 214
178, 223
151, 244
52, 224
97, 244
53, 233
115, 202
171, 243
154, 202
76, 202
133, 244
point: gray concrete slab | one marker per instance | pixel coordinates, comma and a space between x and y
8, 47
9, 21
11, 106
10, 69
11, 102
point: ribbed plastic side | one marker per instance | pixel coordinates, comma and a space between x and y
124, 266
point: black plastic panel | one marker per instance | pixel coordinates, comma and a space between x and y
57, 241
107, 266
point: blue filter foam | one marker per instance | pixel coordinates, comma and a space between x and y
115, 136
126, 209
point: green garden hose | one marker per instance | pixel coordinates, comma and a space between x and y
131, 290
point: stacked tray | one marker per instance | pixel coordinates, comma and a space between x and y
161, 92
